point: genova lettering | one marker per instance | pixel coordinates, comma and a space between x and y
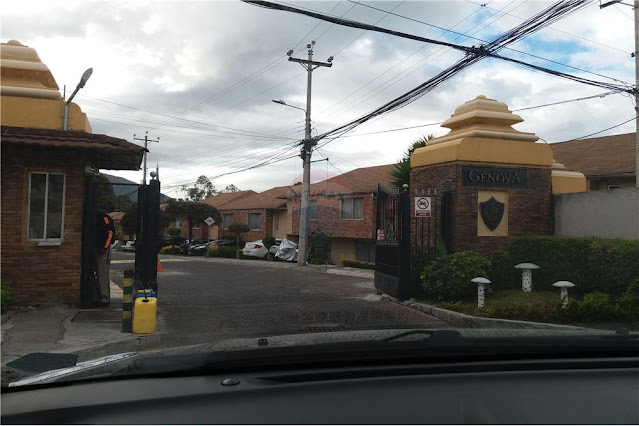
494, 177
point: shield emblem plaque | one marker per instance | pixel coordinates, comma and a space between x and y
492, 212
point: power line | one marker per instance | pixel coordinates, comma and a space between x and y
556, 29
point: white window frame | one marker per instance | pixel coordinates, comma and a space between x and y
178, 223
341, 208
224, 225
249, 221
276, 221
45, 240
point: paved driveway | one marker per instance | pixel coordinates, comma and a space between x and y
204, 300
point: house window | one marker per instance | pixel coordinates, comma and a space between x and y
613, 186
178, 223
312, 210
276, 221
352, 208
227, 220
255, 220
46, 207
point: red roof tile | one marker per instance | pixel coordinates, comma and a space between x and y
219, 200
595, 156
106, 152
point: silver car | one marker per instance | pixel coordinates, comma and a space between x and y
257, 249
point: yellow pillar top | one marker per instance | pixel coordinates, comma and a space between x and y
481, 132
30, 96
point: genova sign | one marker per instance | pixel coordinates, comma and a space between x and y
494, 177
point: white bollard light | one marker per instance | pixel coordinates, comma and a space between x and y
564, 285
481, 290
526, 275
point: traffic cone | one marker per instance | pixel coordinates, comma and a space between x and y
159, 264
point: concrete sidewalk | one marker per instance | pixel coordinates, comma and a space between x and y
52, 329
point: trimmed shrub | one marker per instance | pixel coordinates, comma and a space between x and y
448, 279
592, 264
224, 251
502, 272
171, 250
352, 263
6, 297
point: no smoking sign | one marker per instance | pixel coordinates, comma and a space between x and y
422, 206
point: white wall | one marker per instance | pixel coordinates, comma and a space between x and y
604, 213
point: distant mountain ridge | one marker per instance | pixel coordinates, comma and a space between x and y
128, 190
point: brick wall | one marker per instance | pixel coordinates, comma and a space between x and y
529, 211
266, 225
328, 217
40, 275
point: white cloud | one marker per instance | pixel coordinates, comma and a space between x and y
168, 57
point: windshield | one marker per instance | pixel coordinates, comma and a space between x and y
216, 173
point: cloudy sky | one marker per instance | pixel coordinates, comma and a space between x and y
201, 75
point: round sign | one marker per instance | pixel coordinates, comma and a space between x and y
423, 203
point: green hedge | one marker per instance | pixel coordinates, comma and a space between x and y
171, 250
6, 297
593, 264
224, 251
352, 263
448, 278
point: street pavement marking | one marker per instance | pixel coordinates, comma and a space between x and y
120, 261
116, 292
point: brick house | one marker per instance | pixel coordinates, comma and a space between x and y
43, 180
608, 162
343, 207
200, 230
264, 212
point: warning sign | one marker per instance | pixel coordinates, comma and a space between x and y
422, 206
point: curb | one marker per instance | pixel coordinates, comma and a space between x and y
133, 344
468, 321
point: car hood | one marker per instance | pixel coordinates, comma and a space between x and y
196, 354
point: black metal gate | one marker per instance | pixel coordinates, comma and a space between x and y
392, 247
146, 244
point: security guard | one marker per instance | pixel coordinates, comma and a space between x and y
104, 234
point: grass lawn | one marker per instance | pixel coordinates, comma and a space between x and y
538, 306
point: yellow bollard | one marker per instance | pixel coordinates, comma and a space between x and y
127, 302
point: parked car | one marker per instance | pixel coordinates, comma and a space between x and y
190, 243
257, 249
129, 246
287, 251
197, 248
166, 240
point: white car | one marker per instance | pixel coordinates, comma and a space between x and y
129, 246
257, 249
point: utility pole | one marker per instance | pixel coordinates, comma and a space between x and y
307, 149
146, 141
636, 54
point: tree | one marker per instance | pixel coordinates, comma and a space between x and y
122, 203
104, 193
203, 188
192, 212
174, 233
129, 222
268, 241
401, 171
237, 229
231, 188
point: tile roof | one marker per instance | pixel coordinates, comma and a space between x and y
219, 200
358, 181
104, 151
594, 156
274, 198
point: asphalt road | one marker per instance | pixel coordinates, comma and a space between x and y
203, 301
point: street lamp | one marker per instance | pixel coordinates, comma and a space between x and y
83, 81
281, 102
